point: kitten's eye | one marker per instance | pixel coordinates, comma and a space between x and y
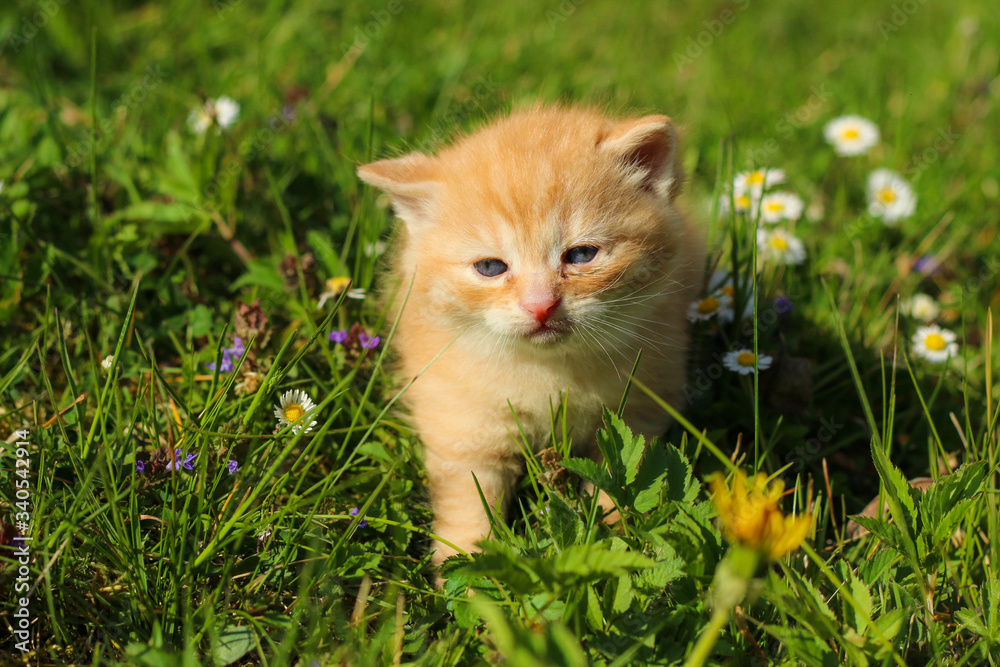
581, 254
491, 268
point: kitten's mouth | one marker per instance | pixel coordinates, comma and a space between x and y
547, 333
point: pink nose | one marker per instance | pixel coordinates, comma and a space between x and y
541, 309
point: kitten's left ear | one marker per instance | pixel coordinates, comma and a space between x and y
648, 147
411, 183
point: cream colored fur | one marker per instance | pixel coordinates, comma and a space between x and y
526, 189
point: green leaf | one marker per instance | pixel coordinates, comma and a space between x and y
885, 531
970, 620
680, 485
589, 471
595, 615
147, 656
624, 594
260, 273
947, 501
234, 642
803, 645
901, 505
325, 253
565, 525
622, 451
648, 482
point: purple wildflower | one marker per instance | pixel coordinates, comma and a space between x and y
926, 265
232, 466
362, 523
339, 337
229, 354
181, 460
175, 461
783, 305
368, 342
140, 467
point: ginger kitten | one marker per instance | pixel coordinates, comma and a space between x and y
545, 250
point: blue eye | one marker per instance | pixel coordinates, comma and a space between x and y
491, 268
581, 254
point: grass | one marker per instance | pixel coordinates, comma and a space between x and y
125, 234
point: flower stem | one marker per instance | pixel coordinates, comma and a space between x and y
706, 642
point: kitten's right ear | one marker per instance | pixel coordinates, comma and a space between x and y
411, 184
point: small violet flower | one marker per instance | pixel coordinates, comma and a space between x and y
362, 523
783, 305
232, 466
181, 460
140, 467
368, 342
228, 355
339, 336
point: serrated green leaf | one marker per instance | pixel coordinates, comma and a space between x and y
680, 484
648, 484
885, 531
862, 595
901, 504
564, 524
970, 620
591, 472
946, 502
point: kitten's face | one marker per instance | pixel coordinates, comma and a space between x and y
547, 228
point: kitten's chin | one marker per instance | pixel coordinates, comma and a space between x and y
547, 334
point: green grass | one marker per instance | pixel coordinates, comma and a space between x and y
124, 233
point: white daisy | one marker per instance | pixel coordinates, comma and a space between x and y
199, 120
890, 197
934, 343
222, 112
745, 202
741, 361
226, 111
758, 180
722, 283
295, 404
716, 304
921, 307
779, 246
779, 206
851, 135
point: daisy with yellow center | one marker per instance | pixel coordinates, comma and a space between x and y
934, 343
778, 245
757, 181
751, 517
295, 404
742, 361
921, 307
890, 197
743, 202
717, 304
779, 206
334, 288
851, 135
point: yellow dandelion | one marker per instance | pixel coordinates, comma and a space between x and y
751, 517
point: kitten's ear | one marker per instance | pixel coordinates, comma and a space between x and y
410, 182
648, 147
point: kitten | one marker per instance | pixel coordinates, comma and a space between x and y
545, 250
